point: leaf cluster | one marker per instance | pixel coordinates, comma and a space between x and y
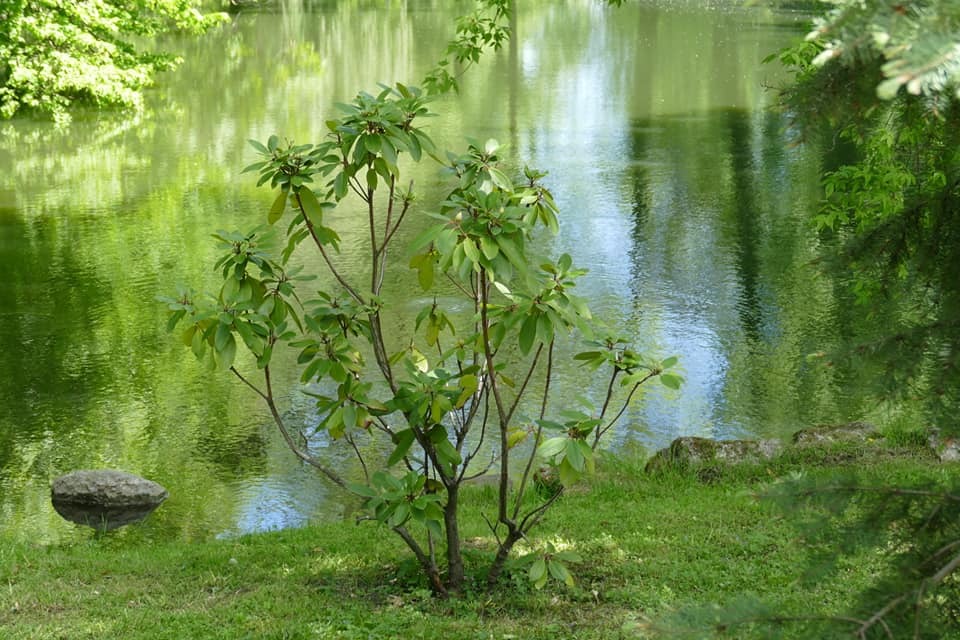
54, 54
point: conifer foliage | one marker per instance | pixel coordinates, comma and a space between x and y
878, 85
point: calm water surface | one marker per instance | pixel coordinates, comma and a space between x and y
679, 192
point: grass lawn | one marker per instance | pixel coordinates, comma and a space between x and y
651, 545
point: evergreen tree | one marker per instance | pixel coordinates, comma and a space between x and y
878, 85
880, 82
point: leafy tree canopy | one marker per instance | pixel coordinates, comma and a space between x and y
879, 82
55, 53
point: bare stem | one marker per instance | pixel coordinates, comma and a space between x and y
537, 436
428, 565
606, 401
526, 524
326, 257
626, 403
526, 381
288, 438
403, 213
501, 412
248, 383
356, 450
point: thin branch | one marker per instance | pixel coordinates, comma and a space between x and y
248, 383
493, 529
623, 409
526, 381
483, 432
356, 450
459, 286
606, 401
291, 444
492, 376
878, 617
945, 570
373, 242
537, 513
538, 435
382, 425
493, 460
429, 567
403, 213
357, 187
945, 548
390, 196
326, 257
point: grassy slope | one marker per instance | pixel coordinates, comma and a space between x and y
651, 544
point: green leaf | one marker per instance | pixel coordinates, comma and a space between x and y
399, 515
198, 344
175, 317
528, 333
669, 362
254, 167
229, 291
489, 248
468, 384
448, 453
403, 439
671, 381
513, 253
551, 447
222, 335
425, 274
433, 331
276, 210
349, 415
227, 353
362, 490
515, 436
500, 179
372, 142
340, 185
574, 455
560, 572
568, 475
311, 206
538, 572
470, 248
587, 452
188, 335
427, 236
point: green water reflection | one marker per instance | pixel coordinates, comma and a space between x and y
679, 193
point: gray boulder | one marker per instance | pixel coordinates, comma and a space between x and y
691, 451
946, 448
105, 499
863, 432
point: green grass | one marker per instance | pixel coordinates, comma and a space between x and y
651, 545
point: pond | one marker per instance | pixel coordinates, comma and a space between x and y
679, 190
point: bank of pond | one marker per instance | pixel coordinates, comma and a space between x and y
664, 550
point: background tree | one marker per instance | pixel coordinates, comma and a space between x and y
877, 83
54, 54
878, 86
